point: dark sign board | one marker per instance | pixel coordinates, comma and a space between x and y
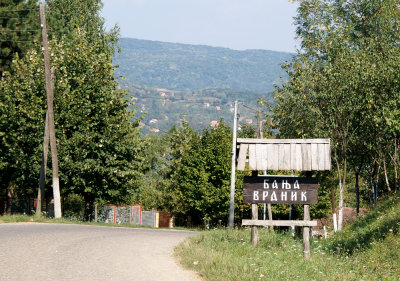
280, 190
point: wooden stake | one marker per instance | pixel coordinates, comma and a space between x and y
254, 229
306, 233
50, 109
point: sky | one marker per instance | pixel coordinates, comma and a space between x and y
234, 24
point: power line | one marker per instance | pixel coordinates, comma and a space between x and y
249, 107
19, 41
180, 100
19, 78
20, 30
13, 18
19, 10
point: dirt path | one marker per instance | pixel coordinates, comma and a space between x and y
74, 252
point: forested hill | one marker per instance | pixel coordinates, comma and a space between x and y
191, 67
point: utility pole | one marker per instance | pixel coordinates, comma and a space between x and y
42, 181
233, 171
50, 111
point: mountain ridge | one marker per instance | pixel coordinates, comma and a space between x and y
178, 66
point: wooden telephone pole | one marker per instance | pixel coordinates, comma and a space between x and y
50, 117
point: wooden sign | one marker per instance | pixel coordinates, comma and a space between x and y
280, 190
284, 154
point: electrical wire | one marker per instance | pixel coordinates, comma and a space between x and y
19, 41
19, 10
21, 30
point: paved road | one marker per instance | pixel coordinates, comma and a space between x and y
33, 251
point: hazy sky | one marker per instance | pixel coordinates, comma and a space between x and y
236, 24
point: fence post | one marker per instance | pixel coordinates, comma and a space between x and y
95, 213
306, 233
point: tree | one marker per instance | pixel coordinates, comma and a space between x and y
99, 146
344, 82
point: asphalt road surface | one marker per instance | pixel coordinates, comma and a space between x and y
32, 251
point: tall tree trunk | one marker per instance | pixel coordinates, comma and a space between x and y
333, 202
386, 177
342, 185
376, 185
89, 203
10, 196
357, 193
394, 160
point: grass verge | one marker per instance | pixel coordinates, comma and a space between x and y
365, 250
25, 218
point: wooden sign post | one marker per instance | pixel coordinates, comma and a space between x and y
281, 154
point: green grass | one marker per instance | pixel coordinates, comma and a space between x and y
368, 249
25, 218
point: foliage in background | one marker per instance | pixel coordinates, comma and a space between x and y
344, 85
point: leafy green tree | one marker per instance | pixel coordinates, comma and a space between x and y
22, 110
203, 178
20, 28
344, 82
99, 146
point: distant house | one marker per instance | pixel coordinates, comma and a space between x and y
206, 104
218, 108
153, 121
214, 124
155, 130
241, 118
134, 98
163, 94
249, 121
231, 109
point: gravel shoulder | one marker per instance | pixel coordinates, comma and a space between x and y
35, 251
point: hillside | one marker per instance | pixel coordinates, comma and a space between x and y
190, 67
170, 81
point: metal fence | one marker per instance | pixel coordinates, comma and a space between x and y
129, 214
19, 206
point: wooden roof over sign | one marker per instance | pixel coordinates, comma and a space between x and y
284, 154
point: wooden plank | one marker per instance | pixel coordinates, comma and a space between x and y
327, 157
252, 157
293, 164
254, 230
242, 156
306, 233
314, 156
260, 158
273, 157
285, 158
321, 157
280, 190
279, 223
280, 156
265, 157
306, 157
298, 158
279, 141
